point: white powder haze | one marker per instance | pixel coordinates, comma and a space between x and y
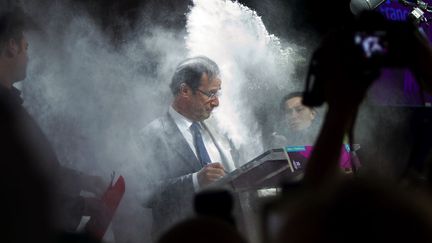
252, 63
88, 96
92, 94
91, 97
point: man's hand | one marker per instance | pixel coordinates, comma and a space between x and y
94, 184
97, 210
210, 173
93, 207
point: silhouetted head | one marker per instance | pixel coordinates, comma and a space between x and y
13, 45
355, 211
215, 203
202, 229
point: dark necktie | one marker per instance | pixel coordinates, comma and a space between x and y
201, 150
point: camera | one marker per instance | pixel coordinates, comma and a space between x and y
373, 45
361, 49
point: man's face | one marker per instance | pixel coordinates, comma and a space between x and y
298, 116
21, 60
201, 105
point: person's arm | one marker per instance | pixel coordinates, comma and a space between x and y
324, 161
421, 61
74, 181
344, 86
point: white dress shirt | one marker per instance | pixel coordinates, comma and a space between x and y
183, 125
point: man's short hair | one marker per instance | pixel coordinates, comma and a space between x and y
13, 23
289, 96
190, 72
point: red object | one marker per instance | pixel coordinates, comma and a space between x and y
97, 226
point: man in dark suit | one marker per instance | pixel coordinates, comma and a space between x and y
185, 149
22, 178
41, 196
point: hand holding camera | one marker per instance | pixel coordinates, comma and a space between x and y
348, 61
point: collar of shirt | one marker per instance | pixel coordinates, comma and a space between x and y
13, 94
184, 126
182, 122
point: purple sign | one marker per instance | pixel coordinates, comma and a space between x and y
399, 87
302, 153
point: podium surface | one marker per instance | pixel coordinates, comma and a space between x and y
265, 171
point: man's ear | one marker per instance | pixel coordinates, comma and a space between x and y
313, 112
11, 48
185, 91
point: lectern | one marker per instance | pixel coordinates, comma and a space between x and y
267, 170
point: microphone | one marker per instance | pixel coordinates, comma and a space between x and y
358, 6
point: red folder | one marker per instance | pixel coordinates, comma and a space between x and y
111, 198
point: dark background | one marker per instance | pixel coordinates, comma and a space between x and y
117, 17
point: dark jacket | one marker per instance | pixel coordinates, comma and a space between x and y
40, 192
171, 163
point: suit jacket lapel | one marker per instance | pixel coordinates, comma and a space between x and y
221, 143
179, 144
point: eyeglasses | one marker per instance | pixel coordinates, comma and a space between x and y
210, 95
